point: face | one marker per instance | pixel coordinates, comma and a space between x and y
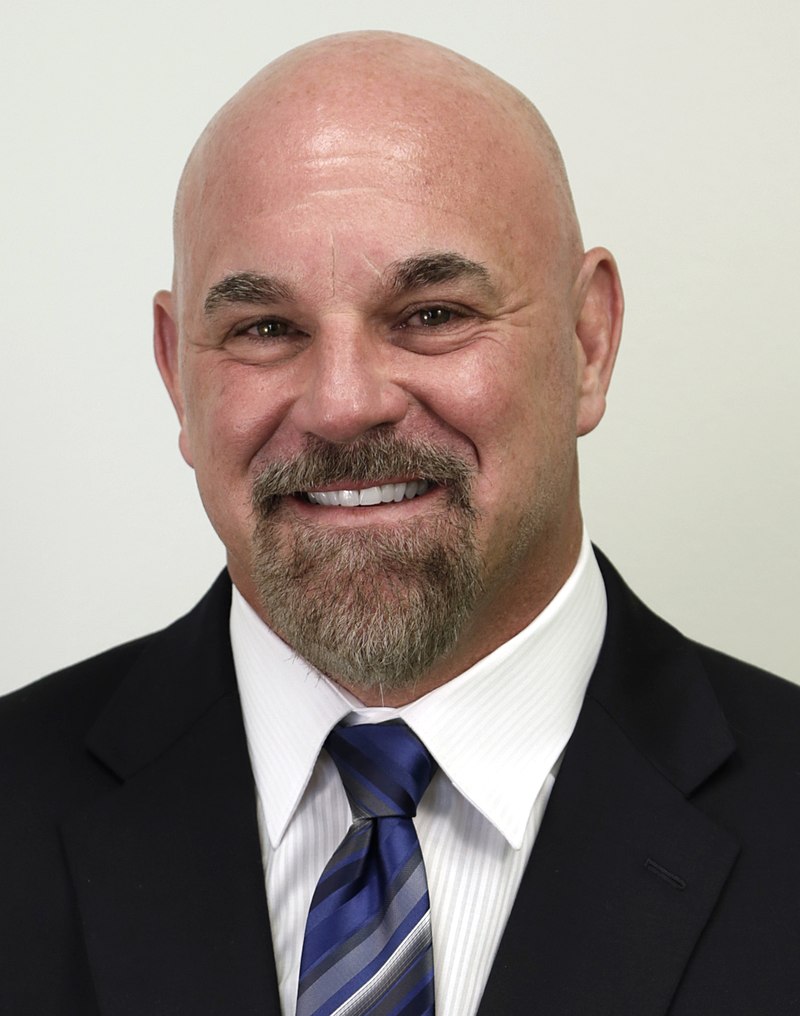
386, 313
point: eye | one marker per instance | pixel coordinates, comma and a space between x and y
431, 317
265, 340
270, 328
434, 328
267, 330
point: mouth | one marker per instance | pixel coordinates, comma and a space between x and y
384, 493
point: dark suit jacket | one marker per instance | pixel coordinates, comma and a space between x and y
665, 878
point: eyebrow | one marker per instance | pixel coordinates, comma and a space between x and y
432, 267
246, 287
415, 272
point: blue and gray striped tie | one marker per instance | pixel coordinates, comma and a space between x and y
367, 948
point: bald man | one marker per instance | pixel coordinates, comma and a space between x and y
382, 341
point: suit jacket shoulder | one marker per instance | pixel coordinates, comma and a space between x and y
664, 879
759, 706
131, 869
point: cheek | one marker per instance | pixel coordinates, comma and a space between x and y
498, 395
466, 385
231, 411
227, 423
515, 404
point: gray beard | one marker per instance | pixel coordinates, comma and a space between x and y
372, 607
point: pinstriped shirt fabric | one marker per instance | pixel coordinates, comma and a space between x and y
496, 731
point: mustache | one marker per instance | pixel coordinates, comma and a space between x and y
370, 460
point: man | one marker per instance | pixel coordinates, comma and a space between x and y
382, 340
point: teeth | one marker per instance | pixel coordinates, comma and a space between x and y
372, 495
384, 494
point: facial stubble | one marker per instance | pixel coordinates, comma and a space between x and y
373, 606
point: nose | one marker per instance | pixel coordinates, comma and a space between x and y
347, 386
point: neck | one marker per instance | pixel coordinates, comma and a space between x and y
500, 615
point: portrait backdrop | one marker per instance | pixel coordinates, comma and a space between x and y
678, 124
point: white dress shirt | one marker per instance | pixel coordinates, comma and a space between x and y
497, 732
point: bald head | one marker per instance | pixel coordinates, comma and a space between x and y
416, 106
375, 241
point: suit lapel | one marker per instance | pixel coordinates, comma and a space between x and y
626, 871
167, 866
624, 876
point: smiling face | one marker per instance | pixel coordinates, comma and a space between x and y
382, 323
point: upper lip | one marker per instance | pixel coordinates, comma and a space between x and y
359, 484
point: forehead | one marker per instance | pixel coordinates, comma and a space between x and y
383, 179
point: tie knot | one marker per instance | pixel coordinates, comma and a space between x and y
384, 767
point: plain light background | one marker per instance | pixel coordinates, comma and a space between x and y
679, 125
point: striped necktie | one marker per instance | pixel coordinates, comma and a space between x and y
367, 948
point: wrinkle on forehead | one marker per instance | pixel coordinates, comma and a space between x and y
324, 145
387, 100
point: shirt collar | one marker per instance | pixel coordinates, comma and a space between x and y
289, 709
496, 730
499, 728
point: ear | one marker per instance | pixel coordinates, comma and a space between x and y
167, 351
598, 308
